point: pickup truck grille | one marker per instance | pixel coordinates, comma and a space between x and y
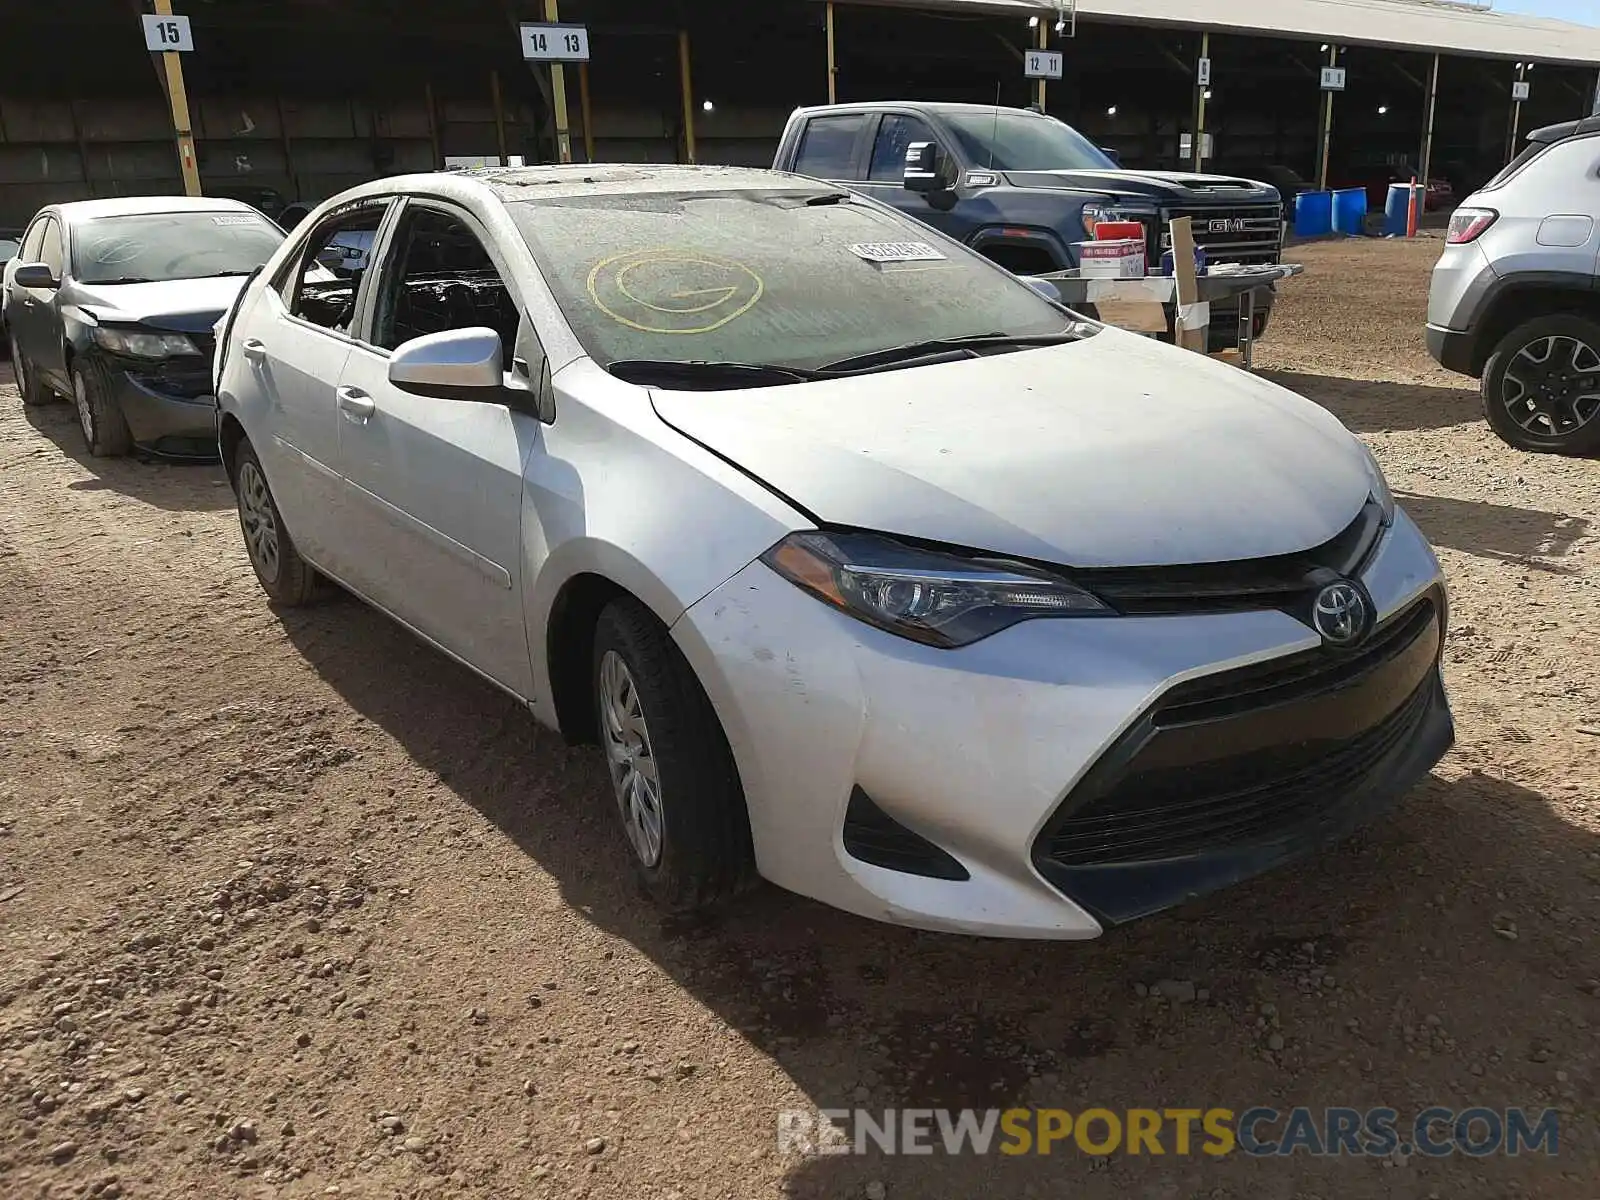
1250, 233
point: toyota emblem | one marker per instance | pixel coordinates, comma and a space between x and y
1341, 614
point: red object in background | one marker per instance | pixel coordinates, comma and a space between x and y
1119, 231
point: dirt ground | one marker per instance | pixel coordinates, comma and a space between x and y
294, 907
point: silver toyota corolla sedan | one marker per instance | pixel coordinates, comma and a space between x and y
874, 571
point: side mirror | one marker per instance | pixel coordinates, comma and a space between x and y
36, 275
457, 364
331, 257
1045, 288
922, 168
1114, 156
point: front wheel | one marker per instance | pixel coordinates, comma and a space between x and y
673, 777
1541, 386
288, 580
105, 429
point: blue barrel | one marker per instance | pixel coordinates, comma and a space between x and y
1313, 214
1350, 211
1396, 213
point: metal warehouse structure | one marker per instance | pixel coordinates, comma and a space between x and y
300, 98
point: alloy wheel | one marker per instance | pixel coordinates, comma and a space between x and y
631, 758
1552, 387
260, 522
80, 401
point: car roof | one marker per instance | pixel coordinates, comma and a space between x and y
935, 106
510, 184
132, 206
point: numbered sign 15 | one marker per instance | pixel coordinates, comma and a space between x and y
555, 43
167, 33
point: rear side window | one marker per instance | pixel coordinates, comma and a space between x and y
328, 273
1529, 153
50, 252
827, 147
32, 239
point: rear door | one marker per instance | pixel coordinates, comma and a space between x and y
31, 312
434, 484
297, 342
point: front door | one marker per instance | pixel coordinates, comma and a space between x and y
31, 312
435, 484
886, 173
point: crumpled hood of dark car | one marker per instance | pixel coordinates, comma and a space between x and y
181, 305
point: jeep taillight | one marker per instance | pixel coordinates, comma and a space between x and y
1468, 224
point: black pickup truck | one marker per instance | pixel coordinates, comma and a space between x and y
1023, 188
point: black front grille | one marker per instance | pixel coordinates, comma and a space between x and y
1232, 233
1253, 755
1281, 581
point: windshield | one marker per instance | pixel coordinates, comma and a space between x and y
1008, 140
763, 278
8, 248
158, 246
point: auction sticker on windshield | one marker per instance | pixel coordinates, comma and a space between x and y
895, 252
234, 219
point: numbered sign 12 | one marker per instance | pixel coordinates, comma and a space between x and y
555, 43
162, 34
1043, 64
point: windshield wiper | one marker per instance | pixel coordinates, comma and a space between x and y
698, 375
119, 279
828, 198
936, 347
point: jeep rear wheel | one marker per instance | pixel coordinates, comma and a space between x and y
1541, 387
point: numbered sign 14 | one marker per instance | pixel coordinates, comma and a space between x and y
555, 43
162, 34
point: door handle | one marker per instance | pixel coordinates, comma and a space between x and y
254, 349
356, 404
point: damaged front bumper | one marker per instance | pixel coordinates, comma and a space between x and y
168, 404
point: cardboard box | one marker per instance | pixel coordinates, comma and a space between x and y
1120, 259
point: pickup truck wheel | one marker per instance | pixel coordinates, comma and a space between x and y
1541, 386
288, 580
673, 777
33, 391
105, 429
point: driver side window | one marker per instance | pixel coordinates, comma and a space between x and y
50, 253
896, 133
327, 280
440, 277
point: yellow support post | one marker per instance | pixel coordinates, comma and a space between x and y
1044, 44
833, 63
1200, 106
558, 94
499, 114
587, 109
178, 98
688, 93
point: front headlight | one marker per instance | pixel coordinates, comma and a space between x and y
938, 599
143, 345
1380, 485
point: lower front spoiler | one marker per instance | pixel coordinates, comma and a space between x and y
1122, 892
167, 425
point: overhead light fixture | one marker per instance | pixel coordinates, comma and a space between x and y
1061, 26
1033, 22
709, 107
1208, 93
1324, 47
1383, 110
1112, 111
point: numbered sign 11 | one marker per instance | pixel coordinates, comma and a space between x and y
555, 43
162, 34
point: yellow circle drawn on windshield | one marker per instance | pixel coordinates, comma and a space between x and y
673, 291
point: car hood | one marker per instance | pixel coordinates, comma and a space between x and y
1114, 451
183, 305
1166, 187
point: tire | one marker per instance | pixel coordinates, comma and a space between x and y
100, 419
33, 391
702, 855
288, 580
1541, 386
